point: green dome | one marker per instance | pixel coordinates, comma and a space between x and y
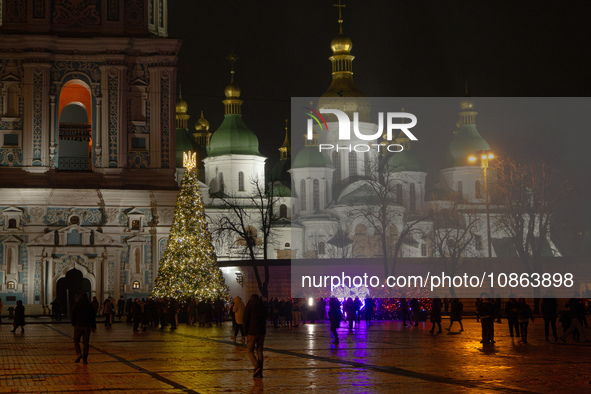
280, 190
183, 144
233, 138
311, 157
466, 142
404, 161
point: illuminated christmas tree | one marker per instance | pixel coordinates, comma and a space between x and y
189, 266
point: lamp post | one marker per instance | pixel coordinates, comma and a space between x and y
484, 156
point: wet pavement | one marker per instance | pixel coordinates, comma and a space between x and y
380, 358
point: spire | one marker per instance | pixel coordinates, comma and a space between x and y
232, 102
342, 85
285, 150
182, 119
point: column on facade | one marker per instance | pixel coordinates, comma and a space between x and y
113, 123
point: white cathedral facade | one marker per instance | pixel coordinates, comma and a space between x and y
91, 158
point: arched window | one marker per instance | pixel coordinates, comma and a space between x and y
136, 285
460, 188
283, 211
413, 201
303, 195
336, 162
316, 194
352, 164
399, 193
10, 285
11, 223
241, 181
287, 245
478, 189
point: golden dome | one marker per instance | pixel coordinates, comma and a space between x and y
341, 44
232, 91
181, 106
202, 124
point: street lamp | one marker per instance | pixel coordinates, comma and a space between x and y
484, 156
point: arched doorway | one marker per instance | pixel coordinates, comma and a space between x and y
75, 128
69, 287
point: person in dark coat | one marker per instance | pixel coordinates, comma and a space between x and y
404, 312
335, 317
84, 321
456, 313
486, 310
255, 327
369, 305
512, 312
95, 305
550, 313
436, 315
525, 315
137, 314
350, 311
19, 317
120, 307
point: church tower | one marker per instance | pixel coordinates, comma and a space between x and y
87, 134
233, 159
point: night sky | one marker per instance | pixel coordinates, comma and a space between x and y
402, 49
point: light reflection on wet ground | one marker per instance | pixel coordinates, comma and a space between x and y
380, 358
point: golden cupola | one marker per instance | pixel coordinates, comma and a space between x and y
202, 134
182, 119
342, 86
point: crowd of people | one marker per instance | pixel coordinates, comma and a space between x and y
250, 319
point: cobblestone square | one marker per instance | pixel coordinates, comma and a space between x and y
383, 357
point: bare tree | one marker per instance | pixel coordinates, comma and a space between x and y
455, 234
379, 206
529, 192
246, 224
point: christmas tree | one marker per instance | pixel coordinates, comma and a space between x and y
189, 266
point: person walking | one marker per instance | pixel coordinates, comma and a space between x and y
350, 312
512, 313
550, 313
524, 316
255, 326
238, 309
369, 305
84, 321
192, 309
19, 317
120, 307
137, 315
575, 324
335, 317
95, 305
487, 321
296, 313
436, 315
357, 304
107, 312
456, 314
404, 312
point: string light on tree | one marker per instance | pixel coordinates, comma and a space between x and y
189, 266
